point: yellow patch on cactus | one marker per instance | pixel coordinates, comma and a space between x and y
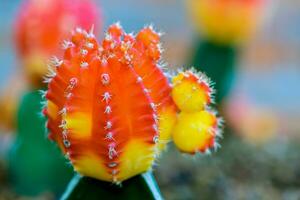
195, 131
52, 109
80, 124
167, 120
190, 93
91, 165
137, 158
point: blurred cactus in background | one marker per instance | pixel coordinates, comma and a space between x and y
112, 110
226, 21
35, 165
224, 25
9, 100
42, 24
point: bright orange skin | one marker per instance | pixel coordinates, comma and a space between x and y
110, 96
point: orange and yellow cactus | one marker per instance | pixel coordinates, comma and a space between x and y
110, 107
226, 21
42, 24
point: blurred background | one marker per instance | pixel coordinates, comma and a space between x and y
260, 154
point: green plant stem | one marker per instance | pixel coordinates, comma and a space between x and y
141, 187
217, 61
35, 164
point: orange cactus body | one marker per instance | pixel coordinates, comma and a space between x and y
147, 50
108, 105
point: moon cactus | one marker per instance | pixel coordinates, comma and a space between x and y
110, 106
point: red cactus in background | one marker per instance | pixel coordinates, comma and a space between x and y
41, 26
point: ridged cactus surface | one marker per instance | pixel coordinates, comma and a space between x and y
108, 105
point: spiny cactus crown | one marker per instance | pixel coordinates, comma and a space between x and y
110, 106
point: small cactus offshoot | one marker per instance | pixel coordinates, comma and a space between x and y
197, 128
112, 110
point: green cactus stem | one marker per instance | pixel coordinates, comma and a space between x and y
36, 166
139, 187
218, 61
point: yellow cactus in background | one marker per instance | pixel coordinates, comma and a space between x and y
226, 21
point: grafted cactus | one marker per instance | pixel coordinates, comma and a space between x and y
107, 103
110, 107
